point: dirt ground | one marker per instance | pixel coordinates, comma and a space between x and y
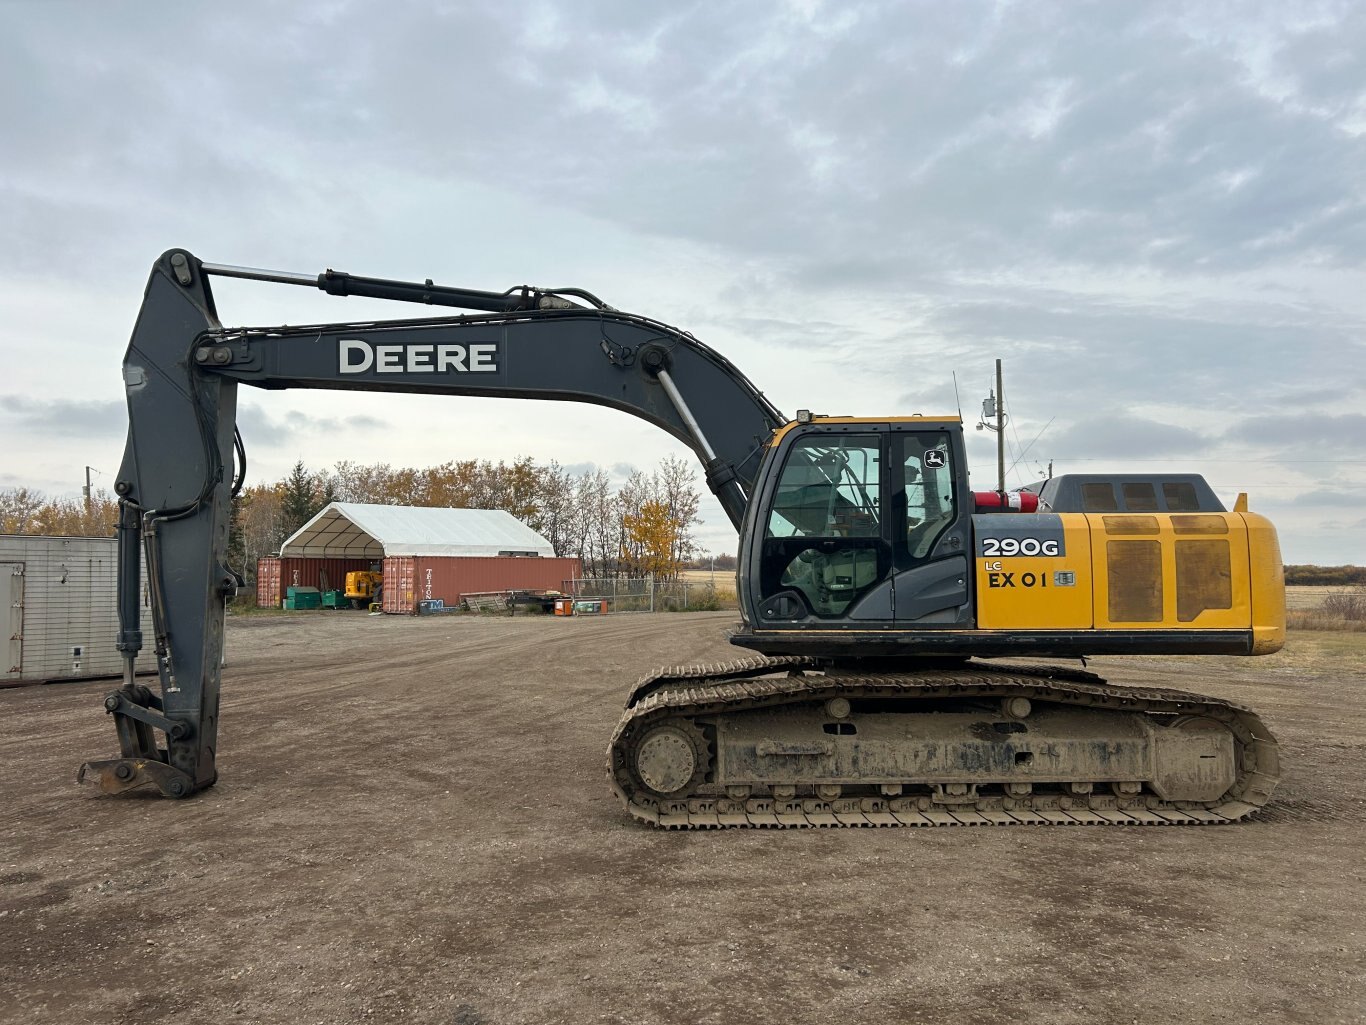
413, 824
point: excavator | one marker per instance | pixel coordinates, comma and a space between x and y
879, 594
364, 586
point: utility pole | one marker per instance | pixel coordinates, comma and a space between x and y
994, 408
86, 490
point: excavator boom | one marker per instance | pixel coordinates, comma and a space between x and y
175, 486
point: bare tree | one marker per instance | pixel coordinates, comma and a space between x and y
676, 487
555, 513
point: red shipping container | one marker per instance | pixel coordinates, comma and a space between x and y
268, 583
275, 576
409, 579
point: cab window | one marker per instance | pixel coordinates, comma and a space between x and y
929, 491
829, 488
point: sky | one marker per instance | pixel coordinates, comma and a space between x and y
1153, 214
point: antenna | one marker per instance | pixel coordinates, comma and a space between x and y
1000, 435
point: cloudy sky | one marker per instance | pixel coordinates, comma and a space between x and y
1154, 214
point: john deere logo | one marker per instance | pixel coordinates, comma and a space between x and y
355, 356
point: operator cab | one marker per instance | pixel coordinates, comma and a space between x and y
862, 524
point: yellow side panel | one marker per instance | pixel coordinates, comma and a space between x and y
1168, 571
1268, 585
1131, 571
1033, 592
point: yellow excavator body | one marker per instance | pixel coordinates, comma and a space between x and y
1140, 571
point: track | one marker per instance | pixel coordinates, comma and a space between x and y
685, 694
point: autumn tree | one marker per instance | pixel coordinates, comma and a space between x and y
631, 500
676, 487
518, 489
645, 504
450, 485
259, 525
652, 536
23, 511
19, 509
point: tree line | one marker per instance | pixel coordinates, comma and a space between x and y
1325, 576
26, 511
644, 526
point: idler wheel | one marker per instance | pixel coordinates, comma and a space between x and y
671, 759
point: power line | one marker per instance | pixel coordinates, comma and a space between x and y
1201, 459
1031, 444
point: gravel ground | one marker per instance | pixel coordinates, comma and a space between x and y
413, 824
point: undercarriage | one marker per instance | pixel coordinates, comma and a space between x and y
797, 741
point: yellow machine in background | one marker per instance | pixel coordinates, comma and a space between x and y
364, 587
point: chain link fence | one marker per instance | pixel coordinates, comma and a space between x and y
646, 594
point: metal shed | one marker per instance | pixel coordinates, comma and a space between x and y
427, 554
354, 530
60, 608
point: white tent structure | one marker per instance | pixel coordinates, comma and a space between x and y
350, 530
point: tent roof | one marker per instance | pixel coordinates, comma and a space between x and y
353, 530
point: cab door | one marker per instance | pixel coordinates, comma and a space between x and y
825, 553
930, 521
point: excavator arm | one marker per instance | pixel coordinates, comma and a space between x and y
175, 485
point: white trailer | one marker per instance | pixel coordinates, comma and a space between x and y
58, 596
